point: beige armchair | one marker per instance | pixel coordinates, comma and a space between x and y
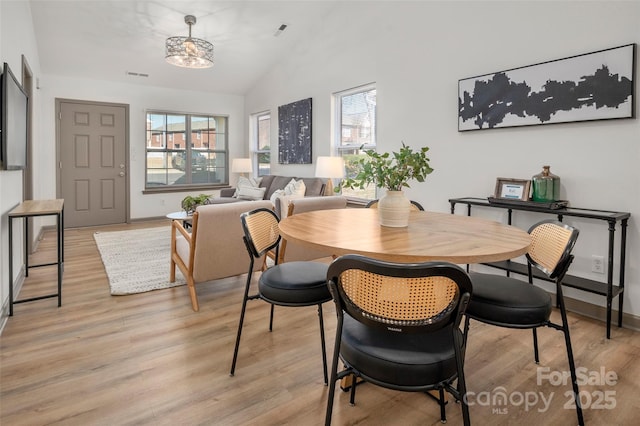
292, 251
214, 248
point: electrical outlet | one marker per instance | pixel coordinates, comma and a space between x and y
597, 264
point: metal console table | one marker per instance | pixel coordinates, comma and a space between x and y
26, 210
608, 289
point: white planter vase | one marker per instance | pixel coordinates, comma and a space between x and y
393, 209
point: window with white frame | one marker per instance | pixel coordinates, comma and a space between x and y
261, 149
185, 150
355, 131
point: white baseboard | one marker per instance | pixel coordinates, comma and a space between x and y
600, 313
4, 313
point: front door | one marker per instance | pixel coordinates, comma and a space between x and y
93, 162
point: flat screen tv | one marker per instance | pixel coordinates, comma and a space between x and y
13, 122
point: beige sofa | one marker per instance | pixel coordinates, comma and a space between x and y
214, 248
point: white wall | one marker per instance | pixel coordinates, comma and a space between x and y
15, 25
417, 51
139, 99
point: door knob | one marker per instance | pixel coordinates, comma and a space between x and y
121, 174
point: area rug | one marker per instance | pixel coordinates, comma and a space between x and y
137, 261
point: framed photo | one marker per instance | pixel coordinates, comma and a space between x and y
591, 86
512, 189
294, 132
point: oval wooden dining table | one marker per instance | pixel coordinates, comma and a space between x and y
430, 236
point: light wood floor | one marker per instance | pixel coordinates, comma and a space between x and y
148, 359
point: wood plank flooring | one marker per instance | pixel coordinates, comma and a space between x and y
148, 359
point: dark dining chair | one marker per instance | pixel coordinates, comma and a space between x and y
399, 327
513, 303
295, 284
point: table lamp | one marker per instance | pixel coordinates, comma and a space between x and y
330, 168
241, 165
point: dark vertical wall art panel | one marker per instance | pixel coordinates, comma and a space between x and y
294, 132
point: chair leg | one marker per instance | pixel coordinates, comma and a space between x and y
324, 350
536, 355
461, 385
244, 307
334, 373
352, 395
193, 295
271, 318
466, 329
572, 364
442, 402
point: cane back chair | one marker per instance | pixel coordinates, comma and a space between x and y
398, 327
509, 302
295, 284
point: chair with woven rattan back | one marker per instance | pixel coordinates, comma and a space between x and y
295, 284
513, 303
398, 327
415, 206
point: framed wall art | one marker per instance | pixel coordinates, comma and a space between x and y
591, 86
294, 132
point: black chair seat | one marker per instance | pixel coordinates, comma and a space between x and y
402, 359
508, 302
295, 283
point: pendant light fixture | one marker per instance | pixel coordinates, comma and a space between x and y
189, 52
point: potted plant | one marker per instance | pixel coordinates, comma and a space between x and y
392, 172
190, 203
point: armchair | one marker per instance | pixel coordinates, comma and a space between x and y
214, 247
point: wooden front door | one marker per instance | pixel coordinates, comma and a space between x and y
93, 162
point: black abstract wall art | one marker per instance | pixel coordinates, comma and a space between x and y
294, 132
592, 86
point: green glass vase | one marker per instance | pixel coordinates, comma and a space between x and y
546, 186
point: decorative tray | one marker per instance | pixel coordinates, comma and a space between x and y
553, 205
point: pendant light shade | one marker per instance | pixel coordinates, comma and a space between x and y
189, 52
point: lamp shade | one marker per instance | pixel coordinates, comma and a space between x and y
330, 167
241, 165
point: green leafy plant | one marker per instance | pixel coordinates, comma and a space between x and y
391, 171
189, 203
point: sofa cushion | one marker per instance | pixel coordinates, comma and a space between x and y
295, 188
250, 193
278, 182
247, 182
315, 186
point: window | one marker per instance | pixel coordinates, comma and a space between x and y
261, 129
172, 138
355, 131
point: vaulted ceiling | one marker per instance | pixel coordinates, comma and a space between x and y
110, 39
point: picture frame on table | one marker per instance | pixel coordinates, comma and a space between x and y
512, 189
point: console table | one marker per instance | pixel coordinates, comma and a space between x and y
608, 289
26, 210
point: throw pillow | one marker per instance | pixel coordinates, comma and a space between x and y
295, 188
277, 193
250, 193
244, 182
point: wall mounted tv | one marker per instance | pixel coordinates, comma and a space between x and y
13, 122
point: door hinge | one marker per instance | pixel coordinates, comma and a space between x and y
60, 115
60, 165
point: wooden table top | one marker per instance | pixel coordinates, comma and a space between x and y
37, 207
430, 236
